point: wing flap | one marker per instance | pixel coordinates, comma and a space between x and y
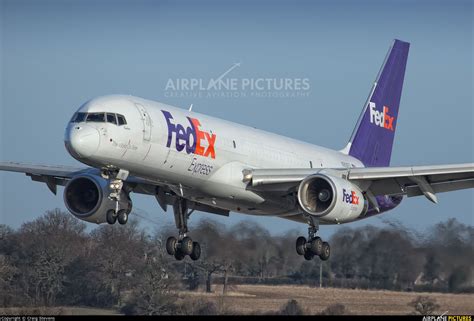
442, 187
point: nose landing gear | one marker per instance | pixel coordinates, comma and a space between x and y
115, 179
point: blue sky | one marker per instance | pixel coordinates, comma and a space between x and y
55, 55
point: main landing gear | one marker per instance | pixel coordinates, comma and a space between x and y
183, 245
314, 246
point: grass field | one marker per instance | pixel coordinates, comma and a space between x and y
57, 311
248, 299
261, 299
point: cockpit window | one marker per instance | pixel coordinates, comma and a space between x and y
111, 118
121, 120
78, 117
96, 117
99, 118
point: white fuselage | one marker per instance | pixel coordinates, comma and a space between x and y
213, 152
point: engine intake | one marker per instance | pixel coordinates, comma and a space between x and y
333, 198
86, 197
82, 196
316, 195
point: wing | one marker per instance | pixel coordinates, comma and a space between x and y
53, 176
416, 180
408, 180
59, 175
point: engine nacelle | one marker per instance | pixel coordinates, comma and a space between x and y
331, 198
87, 198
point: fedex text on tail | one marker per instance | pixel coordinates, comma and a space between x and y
381, 118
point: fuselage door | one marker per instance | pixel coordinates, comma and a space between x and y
146, 121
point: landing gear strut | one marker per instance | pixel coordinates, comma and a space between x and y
115, 179
314, 246
183, 245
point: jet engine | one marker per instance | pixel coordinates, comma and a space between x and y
87, 198
331, 198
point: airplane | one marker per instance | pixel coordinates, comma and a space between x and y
195, 162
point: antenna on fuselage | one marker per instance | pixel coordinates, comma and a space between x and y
191, 107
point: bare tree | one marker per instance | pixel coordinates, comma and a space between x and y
209, 267
7, 274
46, 246
118, 251
153, 294
227, 268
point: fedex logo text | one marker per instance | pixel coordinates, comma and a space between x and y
190, 138
381, 118
350, 197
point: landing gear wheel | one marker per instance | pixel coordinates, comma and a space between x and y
326, 251
187, 246
184, 245
111, 217
316, 246
300, 245
308, 255
171, 245
179, 256
196, 253
122, 217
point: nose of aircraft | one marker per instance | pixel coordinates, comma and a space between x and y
82, 141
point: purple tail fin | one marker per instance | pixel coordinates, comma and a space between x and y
372, 139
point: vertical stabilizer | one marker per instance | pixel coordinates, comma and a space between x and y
372, 139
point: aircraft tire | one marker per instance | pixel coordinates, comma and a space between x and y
186, 246
308, 255
122, 217
326, 251
316, 246
111, 217
178, 255
196, 253
171, 245
300, 245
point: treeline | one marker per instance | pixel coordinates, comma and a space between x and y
54, 260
